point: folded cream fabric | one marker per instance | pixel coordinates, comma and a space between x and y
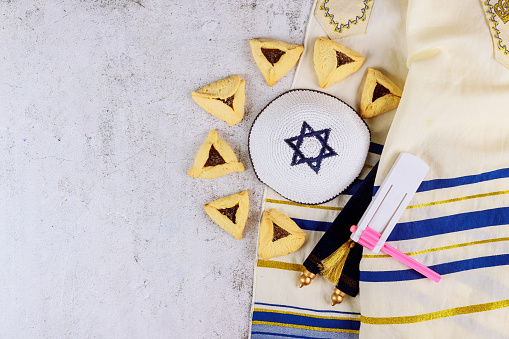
343, 18
280, 308
453, 116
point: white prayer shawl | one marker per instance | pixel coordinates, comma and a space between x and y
453, 116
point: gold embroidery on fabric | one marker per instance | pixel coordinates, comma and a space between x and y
305, 314
496, 35
313, 328
442, 248
435, 315
458, 199
332, 208
338, 27
283, 202
502, 10
280, 265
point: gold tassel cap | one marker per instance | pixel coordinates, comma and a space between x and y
337, 297
306, 278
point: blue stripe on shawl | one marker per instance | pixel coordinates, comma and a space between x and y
307, 309
312, 225
304, 320
466, 180
259, 331
435, 184
450, 223
442, 269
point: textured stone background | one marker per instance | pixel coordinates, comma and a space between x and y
102, 233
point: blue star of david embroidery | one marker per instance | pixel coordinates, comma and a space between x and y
307, 132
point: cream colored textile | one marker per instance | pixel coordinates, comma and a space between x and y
452, 115
343, 18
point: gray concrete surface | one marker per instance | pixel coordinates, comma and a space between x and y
102, 233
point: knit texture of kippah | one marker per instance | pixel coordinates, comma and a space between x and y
308, 146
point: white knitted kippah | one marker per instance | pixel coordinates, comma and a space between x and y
308, 146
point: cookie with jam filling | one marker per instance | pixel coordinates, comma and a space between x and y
230, 212
279, 235
379, 95
274, 58
333, 62
215, 158
224, 99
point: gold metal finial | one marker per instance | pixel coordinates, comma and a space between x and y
306, 278
337, 297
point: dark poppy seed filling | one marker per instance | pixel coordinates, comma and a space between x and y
343, 59
279, 233
228, 101
214, 158
230, 212
272, 54
379, 91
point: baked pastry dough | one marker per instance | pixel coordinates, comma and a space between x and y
224, 98
279, 235
274, 58
230, 212
379, 95
214, 159
334, 62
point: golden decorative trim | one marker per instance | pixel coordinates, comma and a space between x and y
338, 27
435, 315
441, 248
284, 202
280, 265
313, 328
496, 35
459, 199
332, 208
